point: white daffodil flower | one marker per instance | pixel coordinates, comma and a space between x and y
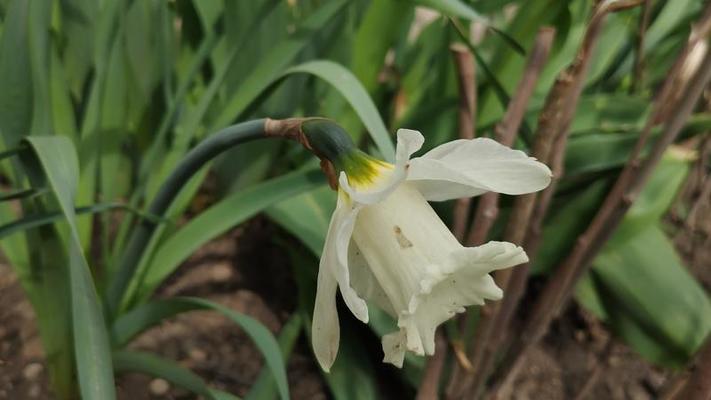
386, 244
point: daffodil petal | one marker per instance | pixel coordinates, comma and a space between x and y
394, 348
335, 253
325, 332
365, 283
464, 281
470, 167
408, 142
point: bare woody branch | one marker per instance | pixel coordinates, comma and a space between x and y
487, 209
507, 130
466, 72
429, 385
624, 192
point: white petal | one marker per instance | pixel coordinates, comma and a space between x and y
364, 282
466, 283
408, 142
489, 257
404, 242
470, 167
335, 254
394, 348
325, 332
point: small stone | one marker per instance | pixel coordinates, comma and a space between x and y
222, 272
197, 355
32, 371
159, 387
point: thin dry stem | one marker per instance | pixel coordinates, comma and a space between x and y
487, 208
618, 201
466, 72
507, 130
429, 386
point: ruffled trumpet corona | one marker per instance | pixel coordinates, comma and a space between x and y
386, 245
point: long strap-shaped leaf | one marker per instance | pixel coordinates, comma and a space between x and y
57, 162
35, 220
156, 366
147, 315
229, 212
354, 92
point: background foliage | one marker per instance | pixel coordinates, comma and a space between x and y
101, 100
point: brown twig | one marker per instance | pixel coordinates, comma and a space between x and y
487, 208
517, 283
638, 74
698, 387
507, 130
624, 192
466, 73
429, 385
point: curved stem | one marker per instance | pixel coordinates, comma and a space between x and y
194, 160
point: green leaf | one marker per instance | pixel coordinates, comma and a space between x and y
306, 216
19, 194
226, 214
347, 84
35, 220
452, 8
656, 198
651, 300
570, 215
150, 314
131, 361
274, 62
352, 376
598, 152
265, 388
57, 161
380, 26
15, 76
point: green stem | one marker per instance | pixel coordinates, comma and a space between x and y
192, 163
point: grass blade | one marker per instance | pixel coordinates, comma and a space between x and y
15, 77
226, 214
19, 194
35, 220
274, 62
347, 84
453, 8
265, 388
57, 161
